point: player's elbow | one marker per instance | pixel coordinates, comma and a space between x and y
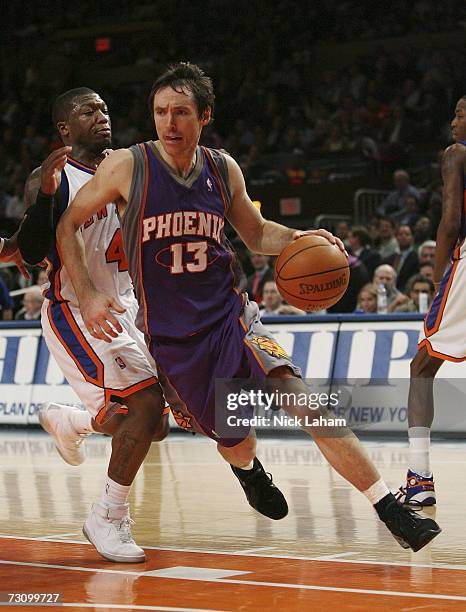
65, 227
450, 226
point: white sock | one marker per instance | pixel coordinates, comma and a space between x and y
419, 447
376, 492
114, 494
82, 421
249, 466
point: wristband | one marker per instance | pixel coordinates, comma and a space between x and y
44, 199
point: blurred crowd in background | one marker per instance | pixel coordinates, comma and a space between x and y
384, 107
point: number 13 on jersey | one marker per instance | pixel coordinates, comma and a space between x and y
199, 251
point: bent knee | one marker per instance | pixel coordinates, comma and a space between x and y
424, 365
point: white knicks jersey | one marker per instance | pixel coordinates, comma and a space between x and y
101, 233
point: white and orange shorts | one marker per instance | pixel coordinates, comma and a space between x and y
445, 323
101, 374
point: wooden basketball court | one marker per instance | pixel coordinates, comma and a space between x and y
207, 550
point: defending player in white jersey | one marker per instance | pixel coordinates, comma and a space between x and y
444, 338
118, 385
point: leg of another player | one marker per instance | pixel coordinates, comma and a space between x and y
257, 484
133, 437
421, 409
345, 454
108, 527
419, 487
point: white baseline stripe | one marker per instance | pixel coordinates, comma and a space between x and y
461, 568
281, 585
113, 606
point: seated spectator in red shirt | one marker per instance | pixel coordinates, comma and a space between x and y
262, 273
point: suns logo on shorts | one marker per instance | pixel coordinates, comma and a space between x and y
269, 346
182, 420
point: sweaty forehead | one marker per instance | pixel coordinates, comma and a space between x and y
169, 97
461, 105
87, 100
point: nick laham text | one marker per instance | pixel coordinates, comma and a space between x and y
284, 420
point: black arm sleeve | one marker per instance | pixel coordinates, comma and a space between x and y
37, 229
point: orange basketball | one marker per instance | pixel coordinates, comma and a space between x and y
311, 273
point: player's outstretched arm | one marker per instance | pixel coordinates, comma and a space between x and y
259, 234
453, 163
36, 233
110, 183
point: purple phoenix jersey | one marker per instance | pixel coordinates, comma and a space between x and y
173, 236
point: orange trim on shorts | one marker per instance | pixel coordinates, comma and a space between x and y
143, 384
64, 307
438, 319
141, 220
433, 353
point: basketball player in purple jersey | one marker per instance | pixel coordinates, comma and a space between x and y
173, 197
444, 337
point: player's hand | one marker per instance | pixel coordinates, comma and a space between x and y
10, 252
51, 170
96, 310
325, 234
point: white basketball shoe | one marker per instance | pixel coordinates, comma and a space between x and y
109, 530
56, 420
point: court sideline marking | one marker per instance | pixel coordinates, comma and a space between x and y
461, 568
281, 585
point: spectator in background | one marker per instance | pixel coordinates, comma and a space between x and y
388, 244
367, 299
262, 273
410, 216
422, 230
360, 244
427, 270
341, 230
32, 304
418, 284
6, 303
386, 275
272, 302
426, 252
405, 262
396, 200
42, 277
358, 278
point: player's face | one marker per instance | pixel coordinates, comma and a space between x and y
89, 123
458, 125
177, 122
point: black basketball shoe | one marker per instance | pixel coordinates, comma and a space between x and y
260, 491
409, 529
